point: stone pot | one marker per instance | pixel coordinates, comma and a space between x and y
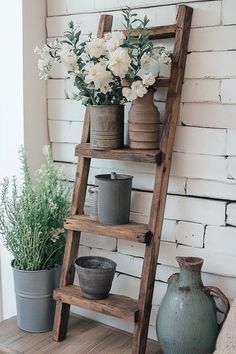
95, 276
186, 320
107, 126
114, 197
144, 123
34, 298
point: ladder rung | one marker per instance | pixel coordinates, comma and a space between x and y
162, 82
133, 231
115, 305
157, 32
125, 154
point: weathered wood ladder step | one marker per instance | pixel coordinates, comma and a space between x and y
115, 305
125, 154
133, 231
137, 311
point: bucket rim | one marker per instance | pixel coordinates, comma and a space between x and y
34, 271
106, 105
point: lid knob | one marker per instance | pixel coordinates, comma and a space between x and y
113, 175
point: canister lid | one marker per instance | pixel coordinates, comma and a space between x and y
113, 176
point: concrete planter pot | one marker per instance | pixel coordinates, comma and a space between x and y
34, 298
107, 126
95, 276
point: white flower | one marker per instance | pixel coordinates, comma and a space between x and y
99, 76
153, 68
114, 40
107, 36
42, 63
95, 48
44, 66
165, 59
129, 94
138, 88
148, 79
145, 61
119, 62
105, 87
37, 50
67, 56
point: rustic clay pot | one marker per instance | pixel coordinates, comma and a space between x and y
107, 127
186, 320
95, 276
144, 123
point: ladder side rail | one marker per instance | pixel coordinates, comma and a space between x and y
73, 237
161, 179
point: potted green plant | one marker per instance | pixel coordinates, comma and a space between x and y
107, 72
31, 223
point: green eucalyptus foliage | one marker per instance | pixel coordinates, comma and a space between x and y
31, 217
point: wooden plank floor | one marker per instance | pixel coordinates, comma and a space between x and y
84, 337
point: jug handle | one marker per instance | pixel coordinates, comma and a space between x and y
221, 295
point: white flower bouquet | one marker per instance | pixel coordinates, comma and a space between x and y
114, 69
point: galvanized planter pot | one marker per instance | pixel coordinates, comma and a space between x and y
144, 123
186, 320
114, 197
34, 298
95, 276
107, 126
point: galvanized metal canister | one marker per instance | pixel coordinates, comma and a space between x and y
114, 196
93, 201
107, 126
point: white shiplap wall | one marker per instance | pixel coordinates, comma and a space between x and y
200, 216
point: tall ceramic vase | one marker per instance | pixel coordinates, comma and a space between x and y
144, 123
186, 320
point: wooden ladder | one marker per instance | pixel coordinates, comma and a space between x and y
137, 311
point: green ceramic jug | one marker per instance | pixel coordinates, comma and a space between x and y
186, 320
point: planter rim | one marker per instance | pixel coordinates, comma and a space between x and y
107, 177
112, 263
106, 105
33, 271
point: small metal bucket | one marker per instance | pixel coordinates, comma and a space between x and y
114, 196
107, 126
95, 276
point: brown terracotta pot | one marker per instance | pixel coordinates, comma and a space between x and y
144, 123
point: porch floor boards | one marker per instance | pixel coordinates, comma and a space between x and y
84, 337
